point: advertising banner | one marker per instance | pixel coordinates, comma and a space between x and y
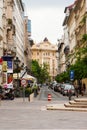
7, 85
1, 60
72, 75
10, 66
4, 66
9, 78
4, 77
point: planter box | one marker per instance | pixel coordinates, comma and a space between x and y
31, 97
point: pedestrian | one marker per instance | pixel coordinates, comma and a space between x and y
76, 90
69, 94
80, 86
83, 89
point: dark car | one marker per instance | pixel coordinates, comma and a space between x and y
56, 87
61, 88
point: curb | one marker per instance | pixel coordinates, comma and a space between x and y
66, 109
70, 107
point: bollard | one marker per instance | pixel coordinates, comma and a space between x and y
0, 101
49, 97
70, 94
29, 98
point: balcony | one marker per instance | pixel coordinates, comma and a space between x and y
60, 45
66, 50
9, 24
26, 52
13, 29
9, 50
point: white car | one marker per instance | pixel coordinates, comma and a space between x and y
67, 89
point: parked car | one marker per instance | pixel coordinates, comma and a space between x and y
67, 88
56, 87
52, 85
61, 88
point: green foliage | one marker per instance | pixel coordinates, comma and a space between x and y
84, 38
44, 73
28, 91
84, 19
80, 66
35, 68
41, 73
80, 71
35, 87
63, 77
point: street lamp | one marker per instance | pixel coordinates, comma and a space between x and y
67, 65
17, 70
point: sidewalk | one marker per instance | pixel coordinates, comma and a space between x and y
67, 107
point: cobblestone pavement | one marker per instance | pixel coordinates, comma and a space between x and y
23, 115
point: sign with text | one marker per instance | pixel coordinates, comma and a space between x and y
10, 66
23, 82
4, 66
71, 74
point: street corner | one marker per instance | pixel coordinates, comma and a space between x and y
62, 107
55, 106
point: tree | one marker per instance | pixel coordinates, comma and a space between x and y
63, 77
41, 73
35, 69
44, 73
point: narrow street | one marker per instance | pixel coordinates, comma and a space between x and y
55, 96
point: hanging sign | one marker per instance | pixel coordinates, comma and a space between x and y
72, 75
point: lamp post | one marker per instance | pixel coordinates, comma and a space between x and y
17, 62
67, 65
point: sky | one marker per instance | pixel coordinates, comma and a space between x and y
46, 18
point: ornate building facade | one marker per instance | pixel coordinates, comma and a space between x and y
45, 52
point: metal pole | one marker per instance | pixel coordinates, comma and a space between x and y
17, 85
23, 93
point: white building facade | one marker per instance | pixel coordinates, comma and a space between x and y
1, 38
18, 18
1, 28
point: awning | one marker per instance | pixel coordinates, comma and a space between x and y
26, 76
